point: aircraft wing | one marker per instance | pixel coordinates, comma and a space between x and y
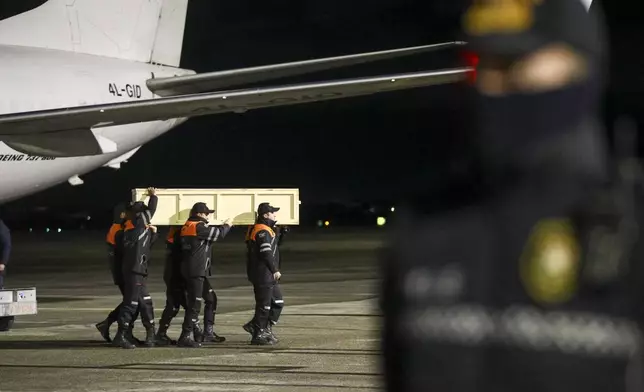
211, 81
70, 131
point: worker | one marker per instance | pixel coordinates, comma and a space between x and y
196, 241
138, 236
534, 283
265, 275
175, 285
280, 232
5, 250
114, 240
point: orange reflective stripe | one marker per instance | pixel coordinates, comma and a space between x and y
171, 233
259, 227
111, 234
129, 225
189, 229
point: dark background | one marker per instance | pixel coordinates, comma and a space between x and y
368, 149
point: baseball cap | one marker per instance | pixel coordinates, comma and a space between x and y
514, 28
266, 208
137, 206
201, 208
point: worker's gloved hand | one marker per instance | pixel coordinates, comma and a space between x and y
284, 229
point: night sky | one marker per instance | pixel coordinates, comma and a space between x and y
375, 147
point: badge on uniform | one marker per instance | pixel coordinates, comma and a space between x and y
550, 263
486, 17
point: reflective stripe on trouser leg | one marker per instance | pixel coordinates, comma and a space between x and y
147, 310
173, 302
194, 299
263, 296
277, 304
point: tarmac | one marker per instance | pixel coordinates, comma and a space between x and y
329, 330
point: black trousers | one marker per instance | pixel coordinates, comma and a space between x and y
199, 290
268, 304
136, 297
114, 314
175, 298
210, 303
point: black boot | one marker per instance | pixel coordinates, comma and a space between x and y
269, 329
162, 338
121, 340
185, 340
210, 336
197, 332
150, 340
130, 336
262, 338
250, 327
104, 329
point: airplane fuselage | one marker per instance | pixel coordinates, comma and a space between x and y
38, 79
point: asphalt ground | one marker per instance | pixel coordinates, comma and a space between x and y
329, 330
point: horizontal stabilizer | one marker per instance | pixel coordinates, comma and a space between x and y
67, 143
213, 81
43, 123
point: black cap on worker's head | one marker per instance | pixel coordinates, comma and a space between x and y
137, 206
200, 208
265, 208
514, 28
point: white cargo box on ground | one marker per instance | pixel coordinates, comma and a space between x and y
18, 302
239, 205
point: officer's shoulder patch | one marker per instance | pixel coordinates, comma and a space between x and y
262, 234
550, 263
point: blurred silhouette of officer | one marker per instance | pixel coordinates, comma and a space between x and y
535, 283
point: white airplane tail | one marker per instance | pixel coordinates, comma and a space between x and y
136, 30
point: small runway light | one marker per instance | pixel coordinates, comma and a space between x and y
381, 221
47, 230
59, 230
327, 223
319, 223
393, 209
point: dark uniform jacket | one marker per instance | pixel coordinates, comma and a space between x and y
172, 270
196, 242
264, 258
138, 240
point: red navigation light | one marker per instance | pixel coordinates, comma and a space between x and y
470, 59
